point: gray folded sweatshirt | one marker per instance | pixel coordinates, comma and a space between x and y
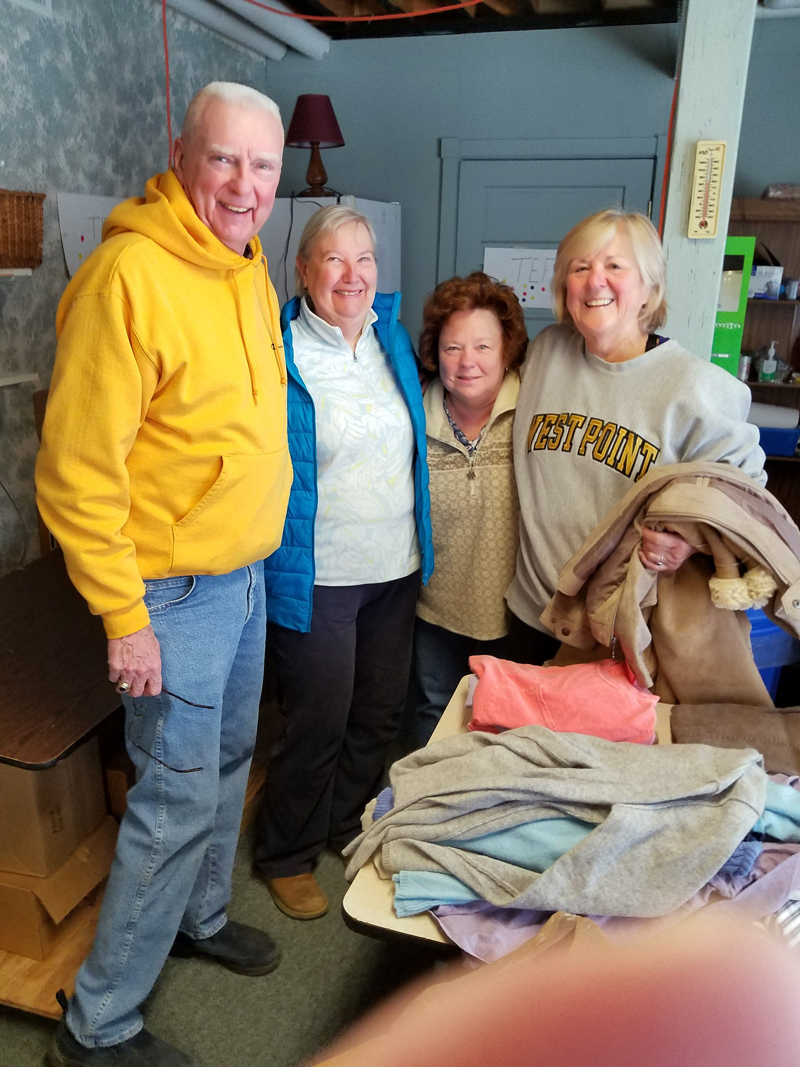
667, 817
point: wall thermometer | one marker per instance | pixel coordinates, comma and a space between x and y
709, 163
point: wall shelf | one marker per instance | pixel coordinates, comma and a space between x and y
19, 379
776, 224
752, 210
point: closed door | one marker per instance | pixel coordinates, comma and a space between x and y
532, 203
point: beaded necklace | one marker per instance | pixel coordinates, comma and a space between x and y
460, 436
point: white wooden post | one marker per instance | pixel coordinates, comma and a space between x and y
715, 54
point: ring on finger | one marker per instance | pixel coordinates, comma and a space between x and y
660, 561
123, 687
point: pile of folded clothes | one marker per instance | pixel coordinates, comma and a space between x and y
493, 832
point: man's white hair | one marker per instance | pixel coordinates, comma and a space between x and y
230, 93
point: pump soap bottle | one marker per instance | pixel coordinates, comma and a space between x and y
769, 365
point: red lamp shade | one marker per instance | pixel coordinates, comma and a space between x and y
314, 123
314, 126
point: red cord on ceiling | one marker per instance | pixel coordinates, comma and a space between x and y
364, 18
166, 65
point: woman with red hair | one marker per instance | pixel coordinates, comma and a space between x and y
473, 339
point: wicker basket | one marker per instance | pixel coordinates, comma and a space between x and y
21, 229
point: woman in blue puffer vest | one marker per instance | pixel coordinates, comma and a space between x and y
342, 588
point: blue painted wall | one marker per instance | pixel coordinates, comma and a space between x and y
395, 98
769, 149
82, 109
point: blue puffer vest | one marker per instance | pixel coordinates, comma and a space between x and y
289, 572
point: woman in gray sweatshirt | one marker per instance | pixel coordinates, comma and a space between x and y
603, 398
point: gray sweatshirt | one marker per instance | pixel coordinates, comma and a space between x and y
667, 817
586, 430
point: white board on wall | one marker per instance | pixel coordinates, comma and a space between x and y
280, 237
528, 271
81, 218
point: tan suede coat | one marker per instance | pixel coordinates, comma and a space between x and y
666, 625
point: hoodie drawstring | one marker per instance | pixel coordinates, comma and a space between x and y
242, 330
279, 361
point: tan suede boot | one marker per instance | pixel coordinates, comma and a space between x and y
298, 896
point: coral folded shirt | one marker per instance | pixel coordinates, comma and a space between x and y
602, 699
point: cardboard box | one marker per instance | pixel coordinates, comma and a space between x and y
45, 815
31, 908
765, 283
120, 776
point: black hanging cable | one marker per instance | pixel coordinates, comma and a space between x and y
285, 258
286, 249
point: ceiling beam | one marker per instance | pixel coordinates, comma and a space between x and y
561, 7
352, 8
503, 7
413, 6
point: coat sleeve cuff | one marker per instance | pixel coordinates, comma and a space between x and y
126, 621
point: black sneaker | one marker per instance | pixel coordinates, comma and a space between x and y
242, 949
143, 1050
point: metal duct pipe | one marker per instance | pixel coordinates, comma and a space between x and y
228, 25
299, 35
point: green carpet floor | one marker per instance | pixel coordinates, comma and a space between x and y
328, 977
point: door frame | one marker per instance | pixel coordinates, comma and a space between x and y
453, 151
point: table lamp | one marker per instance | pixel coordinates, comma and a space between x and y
314, 126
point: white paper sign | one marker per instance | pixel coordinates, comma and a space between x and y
81, 220
527, 271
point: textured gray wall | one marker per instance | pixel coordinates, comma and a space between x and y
82, 110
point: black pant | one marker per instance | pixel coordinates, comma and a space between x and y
344, 686
529, 645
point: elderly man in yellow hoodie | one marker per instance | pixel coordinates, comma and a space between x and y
164, 475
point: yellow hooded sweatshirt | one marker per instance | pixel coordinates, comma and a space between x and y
164, 449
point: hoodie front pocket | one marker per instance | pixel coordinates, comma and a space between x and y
205, 500
239, 520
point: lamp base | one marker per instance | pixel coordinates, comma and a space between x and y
315, 175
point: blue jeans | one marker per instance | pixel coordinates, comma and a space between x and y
177, 840
440, 661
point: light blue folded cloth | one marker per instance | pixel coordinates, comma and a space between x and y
417, 891
534, 846
781, 817
537, 845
